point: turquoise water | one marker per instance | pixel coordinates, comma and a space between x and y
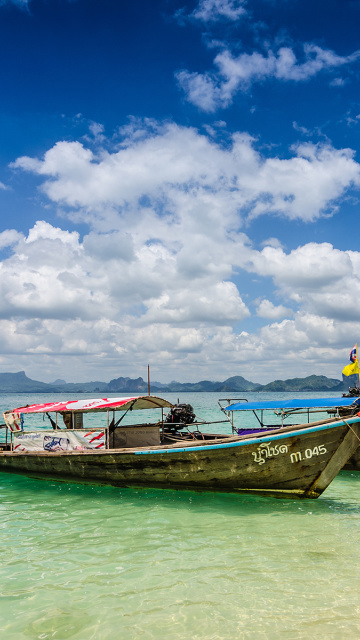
84, 562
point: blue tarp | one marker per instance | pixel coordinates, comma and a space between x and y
305, 403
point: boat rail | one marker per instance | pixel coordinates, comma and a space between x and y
337, 407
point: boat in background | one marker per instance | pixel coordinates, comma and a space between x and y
273, 414
282, 411
291, 461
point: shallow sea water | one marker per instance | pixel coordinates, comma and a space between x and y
86, 562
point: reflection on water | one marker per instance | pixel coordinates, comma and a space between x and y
82, 562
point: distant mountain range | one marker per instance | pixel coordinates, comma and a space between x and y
20, 383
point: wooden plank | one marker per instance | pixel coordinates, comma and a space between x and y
336, 463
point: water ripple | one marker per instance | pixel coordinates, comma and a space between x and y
81, 562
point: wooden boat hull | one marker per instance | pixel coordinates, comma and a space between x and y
290, 462
353, 464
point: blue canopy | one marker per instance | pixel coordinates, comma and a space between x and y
306, 403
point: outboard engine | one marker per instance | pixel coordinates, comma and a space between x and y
179, 416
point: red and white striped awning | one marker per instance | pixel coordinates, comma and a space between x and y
87, 405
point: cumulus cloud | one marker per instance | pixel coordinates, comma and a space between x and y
65, 305
63, 299
9, 237
212, 90
321, 280
53, 276
311, 266
266, 309
153, 280
218, 303
175, 168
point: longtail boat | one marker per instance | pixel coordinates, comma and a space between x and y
88, 442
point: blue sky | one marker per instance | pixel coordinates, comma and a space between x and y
179, 187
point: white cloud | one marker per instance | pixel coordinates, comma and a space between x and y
212, 10
96, 133
9, 237
272, 242
310, 267
301, 129
266, 309
320, 279
305, 185
291, 348
45, 231
46, 277
210, 91
337, 82
176, 166
219, 302
153, 280
200, 90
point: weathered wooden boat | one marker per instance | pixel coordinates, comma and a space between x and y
292, 461
273, 414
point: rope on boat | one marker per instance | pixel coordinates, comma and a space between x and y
355, 434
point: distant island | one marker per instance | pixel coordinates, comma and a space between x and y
20, 383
